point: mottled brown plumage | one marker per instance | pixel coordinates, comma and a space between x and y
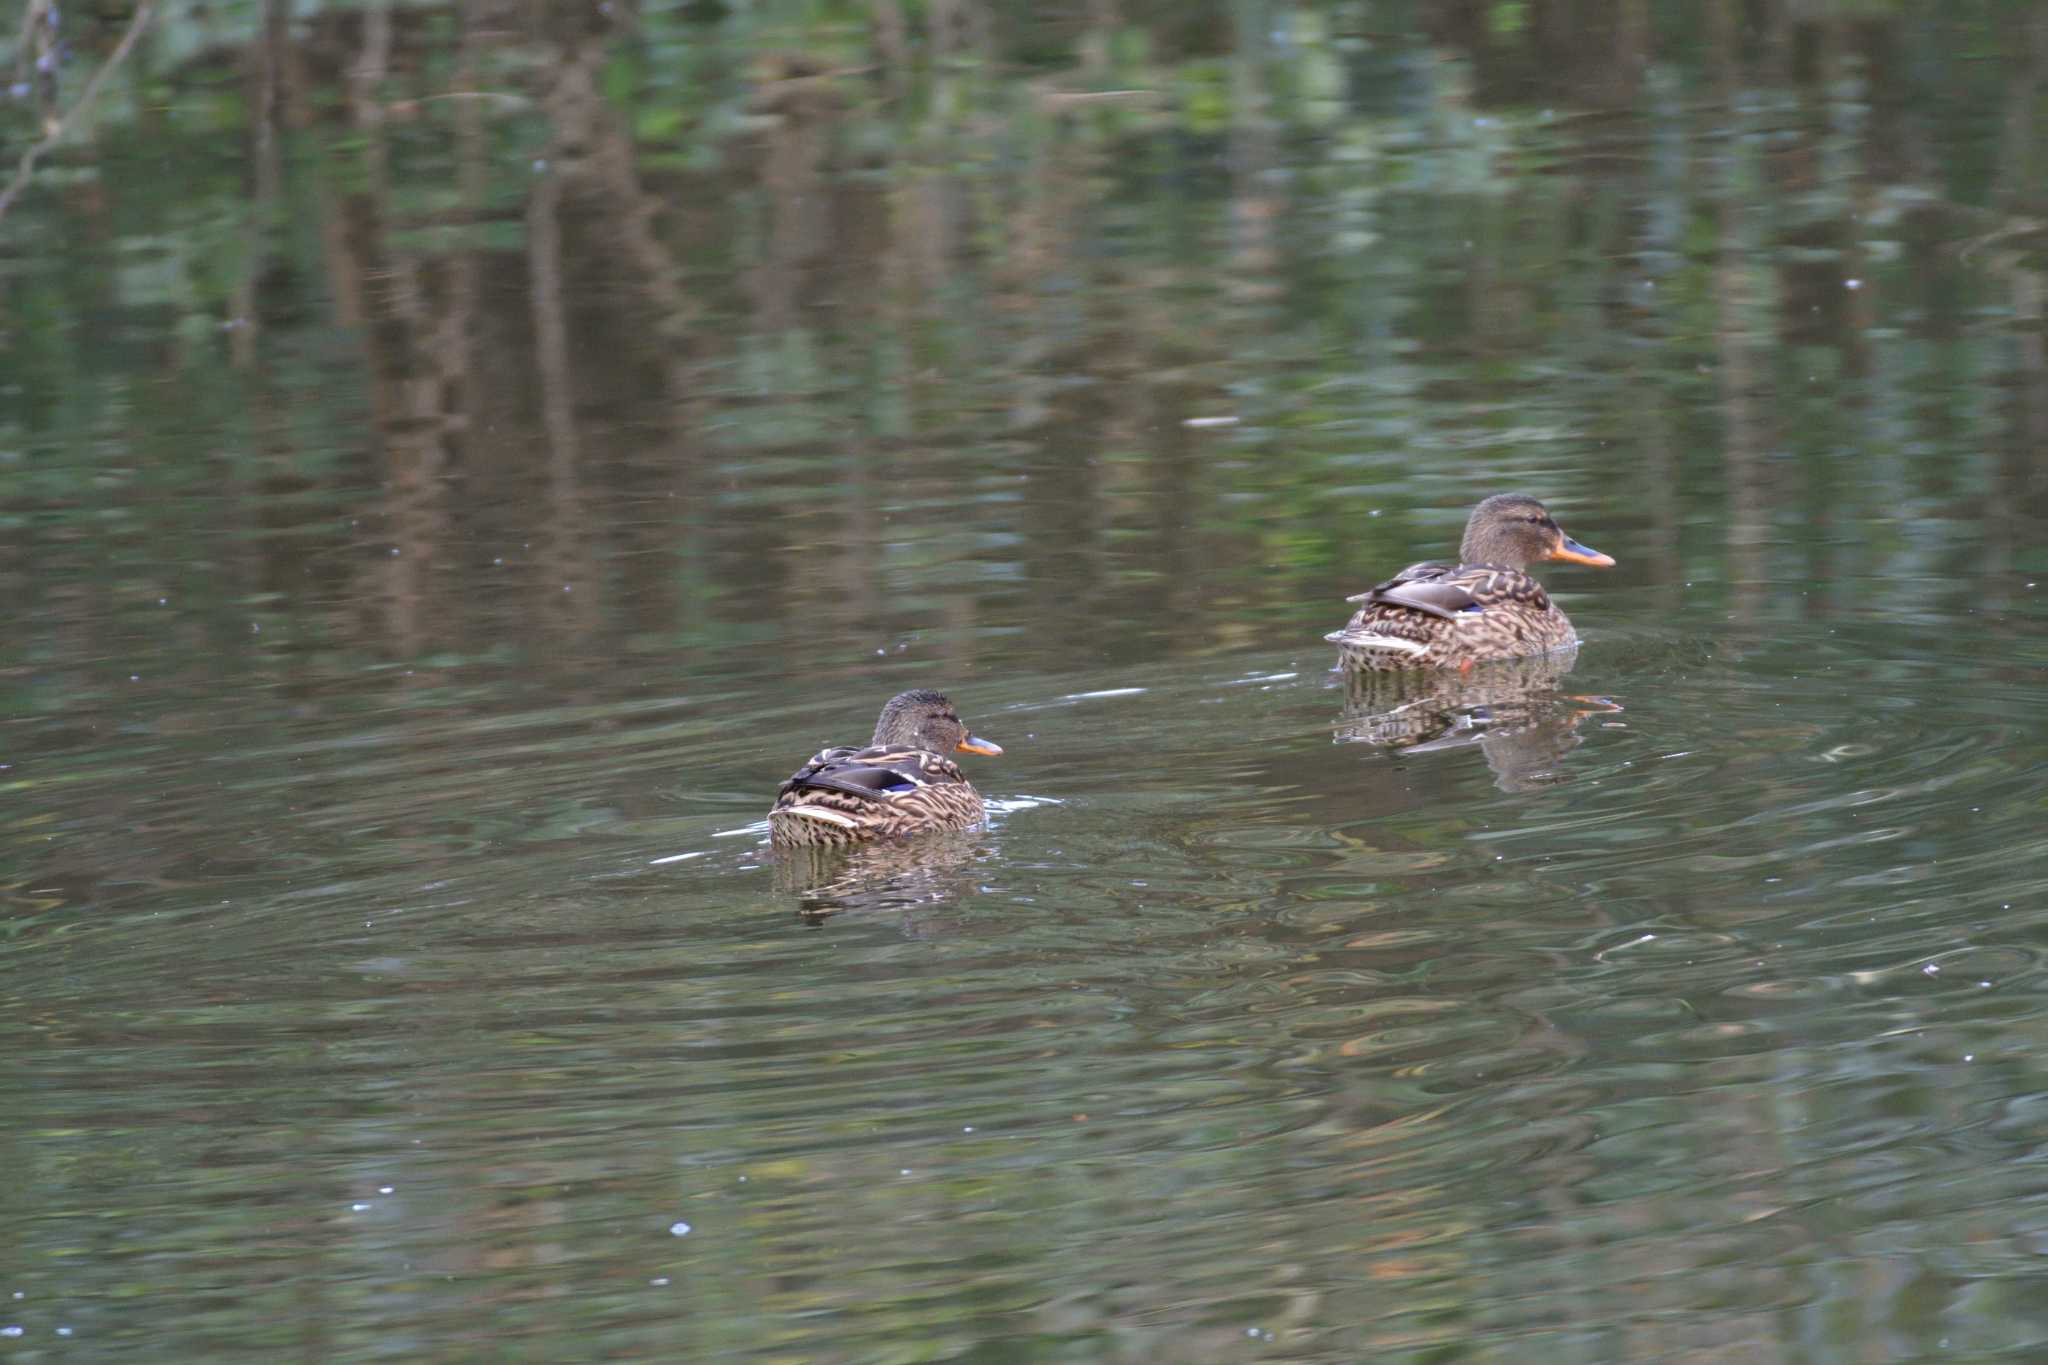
1486, 606
900, 783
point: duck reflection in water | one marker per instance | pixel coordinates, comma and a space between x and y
890, 876
1513, 709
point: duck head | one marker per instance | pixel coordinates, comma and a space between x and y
924, 719
1515, 531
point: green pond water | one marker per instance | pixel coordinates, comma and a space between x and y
456, 460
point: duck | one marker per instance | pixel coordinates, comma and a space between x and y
1484, 607
901, 782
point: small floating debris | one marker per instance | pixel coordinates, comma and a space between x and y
1201, 422
679, 1229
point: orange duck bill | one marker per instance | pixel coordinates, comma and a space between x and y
1571, 552
975, 744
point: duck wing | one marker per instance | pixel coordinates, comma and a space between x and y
1449, 590
876, 773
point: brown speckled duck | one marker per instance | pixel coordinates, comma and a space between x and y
1486, 606
901, 783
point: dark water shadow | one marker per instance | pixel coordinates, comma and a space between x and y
1515, 711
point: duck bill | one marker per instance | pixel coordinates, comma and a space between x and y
1571, 552
975, 744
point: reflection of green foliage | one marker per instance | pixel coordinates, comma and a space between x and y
1408, 283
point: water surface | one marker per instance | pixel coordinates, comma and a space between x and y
456, 463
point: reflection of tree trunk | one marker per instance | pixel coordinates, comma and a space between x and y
2018, 177
892, 42
392, 311
1632, 35
960, 26
2035, 459
592, 184
792, 174
1254, 152
270, 56
1743, 460
943, 17
1893, 143
1724, 39
1846, 84
449, 345
2008, 499
634, 215
1735, 299
2022, 184
271, 428
607, 171
416, 351
1099, 37
574, 110
1780, 42
2023, 465
400, 282
566, 533
1043, 216
1824, 299
1041, 222
442, 340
